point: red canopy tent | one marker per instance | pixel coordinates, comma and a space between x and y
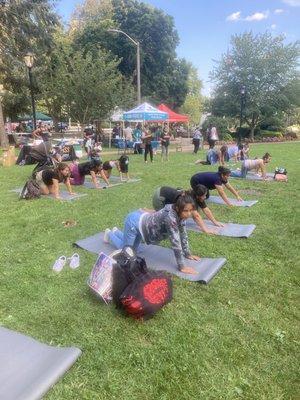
173, 116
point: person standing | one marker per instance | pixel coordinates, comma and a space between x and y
196, 139
147, 139
127, 134
212, 136
165, 142
137, 135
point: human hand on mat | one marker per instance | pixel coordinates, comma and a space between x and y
239, 198
210, 231
219, 224
191, 257
188, 270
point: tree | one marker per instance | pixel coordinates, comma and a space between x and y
94, 86
25, 25
193, 102
163, 76
265, 66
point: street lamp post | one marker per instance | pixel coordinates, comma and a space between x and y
138, 61
242, 99
29, 60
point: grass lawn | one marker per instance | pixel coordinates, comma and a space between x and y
235, 338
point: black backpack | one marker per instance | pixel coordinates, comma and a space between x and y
137, 291
31, 190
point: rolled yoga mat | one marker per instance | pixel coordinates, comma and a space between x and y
28, 368
63, 195
159, 258
235, 202
229, 229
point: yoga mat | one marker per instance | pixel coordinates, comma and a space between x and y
229, 229
90, 185
28, 368
63, 195
252, 176
159, 258
117, 179
235, 202
114, 181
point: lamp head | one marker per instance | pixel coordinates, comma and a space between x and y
29, 59
243, 90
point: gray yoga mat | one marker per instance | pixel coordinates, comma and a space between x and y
229, 229
114, 181
159, 258
235, 202
90, 185
252, 176
28, 368
63, 194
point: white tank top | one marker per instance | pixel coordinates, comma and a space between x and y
252, 164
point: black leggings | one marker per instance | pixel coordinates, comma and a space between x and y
148, 149
196, 145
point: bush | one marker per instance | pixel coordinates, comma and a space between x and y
271, 134
220, 123
292, 131
227, 137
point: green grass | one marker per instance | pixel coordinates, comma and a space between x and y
236, 338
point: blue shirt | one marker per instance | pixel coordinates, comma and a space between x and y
207, 179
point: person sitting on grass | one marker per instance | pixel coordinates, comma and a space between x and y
121, 164
168, 195
215, 180
49, 180
92, 168
153, 227
258, 165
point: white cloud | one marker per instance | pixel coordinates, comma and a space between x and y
257, 16
292, 3
273, 26
278, 11
234, 16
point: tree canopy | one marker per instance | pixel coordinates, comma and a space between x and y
163, 76
262, 63
25, 25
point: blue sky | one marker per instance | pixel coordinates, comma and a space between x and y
205, 26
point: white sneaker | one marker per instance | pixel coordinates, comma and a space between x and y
59, 264
106, 235
115, 229
74, 261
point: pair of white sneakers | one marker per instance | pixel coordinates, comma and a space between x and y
107, 232
61, 262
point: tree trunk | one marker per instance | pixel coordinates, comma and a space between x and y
3, 136
252, 133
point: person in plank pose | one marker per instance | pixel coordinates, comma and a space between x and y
215, 180
92, 168
168, 195
49, 180
153, 227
